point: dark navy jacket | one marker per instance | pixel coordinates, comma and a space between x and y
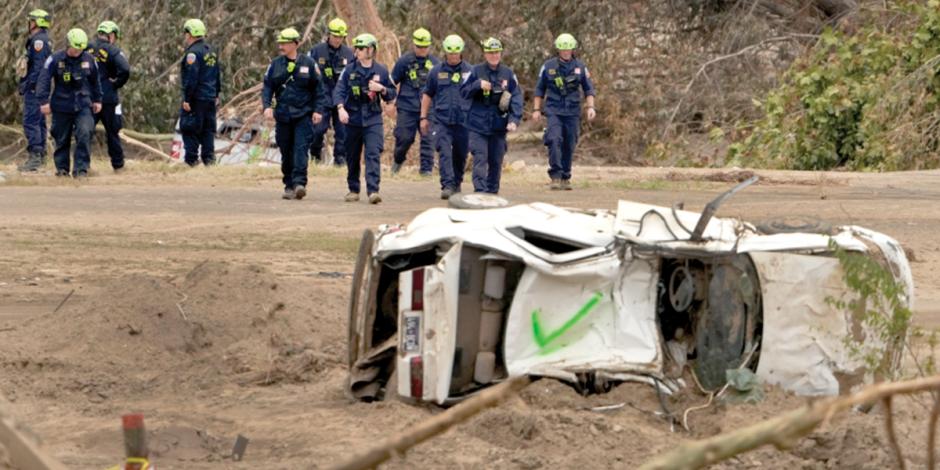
484, 116
200, 72
561, 83
448, 106
296, 87
331, 62
352, 91
76, 83
38, 49
411, 74
113, 68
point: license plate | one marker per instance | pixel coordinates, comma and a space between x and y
412, 338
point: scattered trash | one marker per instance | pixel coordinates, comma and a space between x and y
744, 386
609, 407
241, 443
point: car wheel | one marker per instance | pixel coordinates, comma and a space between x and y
727, 330
796, 224
358, 291
476, 201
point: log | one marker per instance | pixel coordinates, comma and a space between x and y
436, 425
22, 450
782, 431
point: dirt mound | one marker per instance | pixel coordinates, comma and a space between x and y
219, 322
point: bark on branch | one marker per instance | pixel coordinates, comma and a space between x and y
784, 430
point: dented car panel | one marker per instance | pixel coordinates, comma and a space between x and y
589, 296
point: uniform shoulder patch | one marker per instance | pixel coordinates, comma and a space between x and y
190, 58
86, 64
38, 45
321, 60
551, 71
304, 70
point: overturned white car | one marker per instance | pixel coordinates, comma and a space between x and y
458, 300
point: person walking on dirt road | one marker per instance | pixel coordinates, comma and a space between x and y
411, 73
358, 95
561, 82
495, 108
332, 56
442, 96
69, 89
295, 97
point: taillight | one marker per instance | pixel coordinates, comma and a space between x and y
417, 377
417, 289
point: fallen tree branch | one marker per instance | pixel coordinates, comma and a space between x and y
782, 431
23, 451
313, 20
140, 144
436, 425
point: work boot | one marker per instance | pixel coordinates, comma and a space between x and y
425, 174
33, 163
119, 170
396, 167
300, 191
62, 173
288, 194
81, 175
374, 198
566, 185
351, 197
556, 184
446, 193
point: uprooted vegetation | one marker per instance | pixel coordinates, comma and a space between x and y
670, 72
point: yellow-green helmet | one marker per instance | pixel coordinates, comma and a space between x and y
421, 37
77, 38
288, 35
41, 17
566, 42
338, 27
195, 27
366, 40
108, 27
453, 44
492, 45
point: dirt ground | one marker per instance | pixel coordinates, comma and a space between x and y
202, 300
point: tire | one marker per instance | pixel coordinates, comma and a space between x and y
476, 201
363, 262
795, 224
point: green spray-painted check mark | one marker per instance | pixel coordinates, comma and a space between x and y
543, 340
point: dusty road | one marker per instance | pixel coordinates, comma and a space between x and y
204, 301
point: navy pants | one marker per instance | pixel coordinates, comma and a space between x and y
406, 126
372, 140
293, 139
66, 125
113, 123
488, 152
339, 138
452, 142
201, 134
561, 138
34, 124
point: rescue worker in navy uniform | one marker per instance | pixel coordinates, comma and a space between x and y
69, 89
113, 71
331, 56
201, 79
362, 87
299, 102
443, 103
495, 108
561, 82
38, 49
411, 73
